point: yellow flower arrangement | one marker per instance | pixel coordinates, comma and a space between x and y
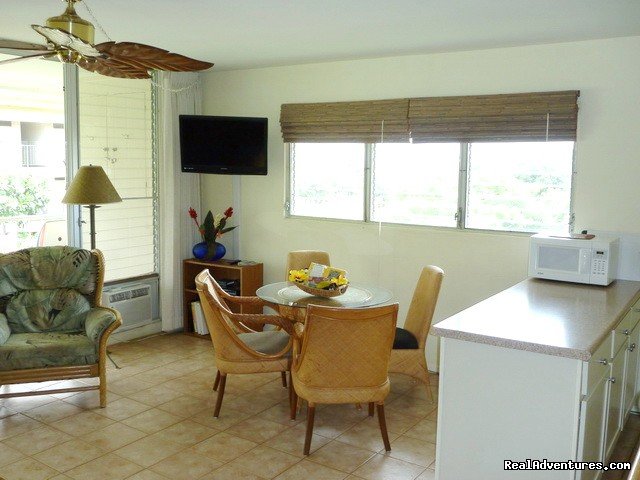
299, 276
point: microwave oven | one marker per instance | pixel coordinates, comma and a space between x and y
593, 261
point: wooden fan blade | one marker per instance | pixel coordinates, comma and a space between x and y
146, 56
16, 45
26, 57
110, 68
60, 38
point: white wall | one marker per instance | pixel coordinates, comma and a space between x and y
607, 72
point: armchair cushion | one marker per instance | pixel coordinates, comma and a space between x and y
404, 340
39, 350
60, 310
269, 342
5, 331
97, 321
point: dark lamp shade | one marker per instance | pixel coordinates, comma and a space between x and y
91, 186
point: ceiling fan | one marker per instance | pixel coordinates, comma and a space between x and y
71, 38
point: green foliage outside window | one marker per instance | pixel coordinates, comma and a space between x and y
22, 196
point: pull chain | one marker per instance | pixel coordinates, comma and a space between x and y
96, 20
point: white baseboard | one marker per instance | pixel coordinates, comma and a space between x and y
143, 331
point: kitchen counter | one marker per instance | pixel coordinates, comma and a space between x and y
541, 370
554, 318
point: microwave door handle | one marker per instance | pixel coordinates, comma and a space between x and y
585, 260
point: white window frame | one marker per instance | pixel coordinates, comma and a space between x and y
463, 187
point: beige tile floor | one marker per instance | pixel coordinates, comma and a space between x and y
158, 425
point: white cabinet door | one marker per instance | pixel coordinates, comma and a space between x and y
631, 369
592, 425
614, 403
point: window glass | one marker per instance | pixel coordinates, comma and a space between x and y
115, 133
327, 180
32, 155
415, 183
519, 186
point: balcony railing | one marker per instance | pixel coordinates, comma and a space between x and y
32, 156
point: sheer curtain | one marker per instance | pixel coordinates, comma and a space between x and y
178, 93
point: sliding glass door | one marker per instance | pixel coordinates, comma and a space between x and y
110, 125
32, 155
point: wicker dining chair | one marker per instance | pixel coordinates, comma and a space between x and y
408, 353
343, 359
238, 348
299, 259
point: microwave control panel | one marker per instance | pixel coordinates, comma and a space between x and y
599, 262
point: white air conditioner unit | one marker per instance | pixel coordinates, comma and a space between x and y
132, 301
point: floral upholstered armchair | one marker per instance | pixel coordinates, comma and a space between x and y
52, 325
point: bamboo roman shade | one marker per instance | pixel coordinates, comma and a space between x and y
486, 118
482, 118
366, 122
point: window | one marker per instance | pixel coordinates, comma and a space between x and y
32, 149
415, 183
507, 186
327, 180
519, 186
115, 126
492, 162
115, 133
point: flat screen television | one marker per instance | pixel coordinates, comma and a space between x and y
227, 145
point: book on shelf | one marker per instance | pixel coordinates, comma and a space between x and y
199, 322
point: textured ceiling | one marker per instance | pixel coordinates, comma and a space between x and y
252, 33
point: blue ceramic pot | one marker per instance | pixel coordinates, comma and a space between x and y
217, 252
201, 251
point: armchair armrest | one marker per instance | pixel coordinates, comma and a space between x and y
98, 319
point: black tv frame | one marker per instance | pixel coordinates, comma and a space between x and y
213, 168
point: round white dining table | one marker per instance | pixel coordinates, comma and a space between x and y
291, 302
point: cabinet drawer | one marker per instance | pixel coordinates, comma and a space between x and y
597, 367
624, 328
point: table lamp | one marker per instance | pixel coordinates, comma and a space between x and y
91, 187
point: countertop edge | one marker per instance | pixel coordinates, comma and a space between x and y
577, 354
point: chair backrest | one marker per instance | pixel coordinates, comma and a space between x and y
347, 347
226, 343
48, 289
423, 303
302, 259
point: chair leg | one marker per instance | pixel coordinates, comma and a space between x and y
371, 409
383, 427
311, 411
223, 381
217, 381
293, 399
103, 384
283, 375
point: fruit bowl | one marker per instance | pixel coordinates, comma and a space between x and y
319, 292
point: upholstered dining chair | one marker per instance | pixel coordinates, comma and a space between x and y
408, 353
238, 348
343, 358
302, 259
